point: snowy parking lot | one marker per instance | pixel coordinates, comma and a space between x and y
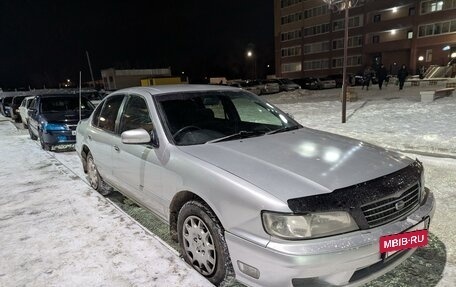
56, 231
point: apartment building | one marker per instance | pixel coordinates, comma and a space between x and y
309, 35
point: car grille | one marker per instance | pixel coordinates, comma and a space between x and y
72, 127
389, 209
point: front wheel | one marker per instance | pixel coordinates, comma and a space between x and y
202, 242
44, 145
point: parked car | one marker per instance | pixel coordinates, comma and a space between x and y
52, 118
14, 107
269, 87
251, 86
93, 96
309, 83
286, 85
356, 80
327, 83
247, 191
23, 109
5, 106
338, 78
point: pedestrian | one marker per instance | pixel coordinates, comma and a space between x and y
401, 76
367, 76
381, 75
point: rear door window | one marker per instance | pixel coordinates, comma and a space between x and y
109, 112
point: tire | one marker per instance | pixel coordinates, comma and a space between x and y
32, 136
45, 146
208, 254
95, 180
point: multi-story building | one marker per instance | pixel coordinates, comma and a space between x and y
309, 35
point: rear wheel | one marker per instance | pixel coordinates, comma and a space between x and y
202, 242
95, 180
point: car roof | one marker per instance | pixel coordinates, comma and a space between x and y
57, 95
166, 89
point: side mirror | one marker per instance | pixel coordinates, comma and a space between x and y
136, 136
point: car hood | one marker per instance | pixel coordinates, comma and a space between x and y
300, 163
65, 117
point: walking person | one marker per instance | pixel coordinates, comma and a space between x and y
401, 76
381, 75
367, 76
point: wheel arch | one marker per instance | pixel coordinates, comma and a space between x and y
178, 201
84, 152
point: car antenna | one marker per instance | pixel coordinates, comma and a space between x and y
80, 95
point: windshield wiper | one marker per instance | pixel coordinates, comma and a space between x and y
239, 135
284, 129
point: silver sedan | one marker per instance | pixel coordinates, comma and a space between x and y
248, 192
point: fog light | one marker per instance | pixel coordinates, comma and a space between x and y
249, 270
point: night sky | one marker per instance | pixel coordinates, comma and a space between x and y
44, 42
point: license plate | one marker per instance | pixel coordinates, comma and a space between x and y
73, 133
416, 236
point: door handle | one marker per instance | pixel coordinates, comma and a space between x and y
89, 137
116, 148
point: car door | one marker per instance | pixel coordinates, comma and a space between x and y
33, 117
102, 135
136, 166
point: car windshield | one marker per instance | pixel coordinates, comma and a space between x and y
208, 117
64, 103
7, 101
18, 100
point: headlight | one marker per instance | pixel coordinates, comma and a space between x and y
312, 225
55, 127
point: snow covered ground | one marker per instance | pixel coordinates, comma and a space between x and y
389, 118
55, 230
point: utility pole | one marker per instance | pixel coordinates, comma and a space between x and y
90, 68
343, 5
344, 72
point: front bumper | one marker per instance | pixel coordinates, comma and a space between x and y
350, 259
59, 137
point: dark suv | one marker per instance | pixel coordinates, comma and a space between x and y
53, 118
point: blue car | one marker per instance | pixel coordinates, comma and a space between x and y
53, 118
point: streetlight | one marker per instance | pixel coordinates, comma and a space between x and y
250, 55
343, 5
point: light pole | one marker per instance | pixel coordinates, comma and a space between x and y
252, 56
343, 5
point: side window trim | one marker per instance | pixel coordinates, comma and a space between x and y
96, 114
125, 106
117, 116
